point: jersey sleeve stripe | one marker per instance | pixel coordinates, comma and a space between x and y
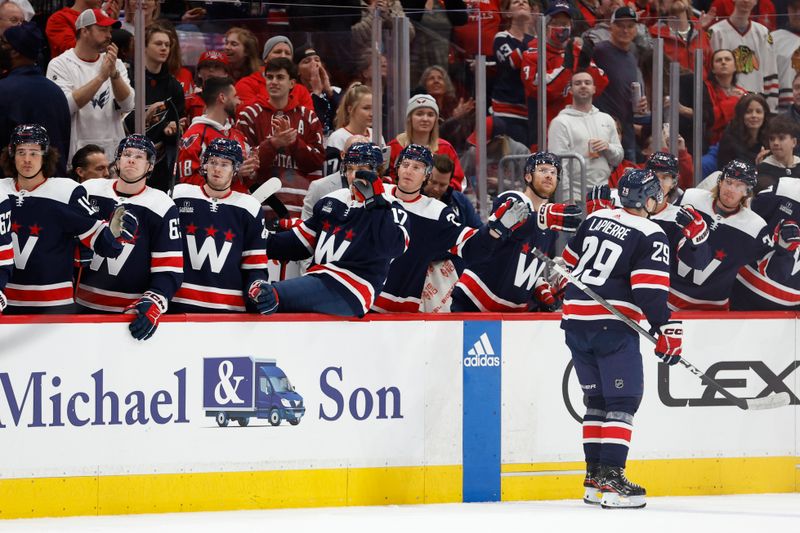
462, 240
569, 256
6, 255
362, 290
678, 300
254, 259
482, 297
306, 236
88, 238
210, 297
767, 288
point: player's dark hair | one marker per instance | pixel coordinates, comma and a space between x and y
81, 159
282, 63
49, 163
213, 87
443, 164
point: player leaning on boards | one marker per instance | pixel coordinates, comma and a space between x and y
624, 258
224, 238
47, 214
146, 275
511, 278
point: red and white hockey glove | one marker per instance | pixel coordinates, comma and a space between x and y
599, 197
508, 217
669, 339
692, 225
3, 302
148, 310
123, 224
543, 293
558, 282
787, 235
559, 217
368, 188
264, 296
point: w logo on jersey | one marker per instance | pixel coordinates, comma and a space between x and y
698, 276
114, 264
208, 251
101, 100
21, 256
526, 274
326, 251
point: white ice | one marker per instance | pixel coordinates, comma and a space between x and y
762, 513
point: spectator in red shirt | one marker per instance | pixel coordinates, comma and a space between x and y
723, 91
764, 12
212, 64
60, 29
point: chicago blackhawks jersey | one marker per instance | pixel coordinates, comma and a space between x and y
224, 249
787, 52
351, 247
152, 262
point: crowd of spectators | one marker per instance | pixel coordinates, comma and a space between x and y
292, 83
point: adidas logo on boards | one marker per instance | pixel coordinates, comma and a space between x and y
482, 353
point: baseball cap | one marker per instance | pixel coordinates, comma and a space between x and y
421, 100
95, 16
213, 56
304, 52
625, 12
559, 6
25, 38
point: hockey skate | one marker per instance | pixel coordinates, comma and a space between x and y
618, 492
591, 485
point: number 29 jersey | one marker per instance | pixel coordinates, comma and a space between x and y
625, 259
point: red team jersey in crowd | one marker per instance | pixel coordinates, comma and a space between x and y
458, 181
297, 165
466, 37
763, 12
60, 30
152, 262
44, 224
678, 49
199, 135
252, 89
224, 243
351, 247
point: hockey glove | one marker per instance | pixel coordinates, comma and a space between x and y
787, 235
123, 224
264, 296
278, 225
559, 217
669, 338
585, 56
569, 55
3, 302
508, 217
368, 188
692, 225
599, 197
148, 309
558, 282
543, 293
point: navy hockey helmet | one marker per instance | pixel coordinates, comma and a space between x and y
742, 171
140, 142
28, 134
662, 162
543, 158
366, 154
224, 148
417, 152
636, 186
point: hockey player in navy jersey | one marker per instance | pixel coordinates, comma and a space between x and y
510, 279
145, 276
624, 258
224, 235
434, 230
758, 286
46, 215
6, 248
352, 236
738, 237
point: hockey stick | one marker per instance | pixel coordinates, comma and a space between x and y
769, 402
266, 189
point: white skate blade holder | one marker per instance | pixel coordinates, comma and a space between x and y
614, 500
592, 496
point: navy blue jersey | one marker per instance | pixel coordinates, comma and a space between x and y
44, 224
734, 241
434, 229
224, 249
772, 282
681, 248
152, 262
508, 93
625, 259
504, 280
351, 247
6, 248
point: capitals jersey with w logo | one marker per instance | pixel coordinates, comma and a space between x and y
351, 246
152, 262
6, 248
44, 224
503, 282
224, 246
772, 282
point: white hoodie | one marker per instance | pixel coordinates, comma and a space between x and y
569, 133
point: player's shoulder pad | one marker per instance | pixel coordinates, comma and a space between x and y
186, 190
701, 199
788, 187
746, 221
155, 200
513, 195
667, 214
60, 189
620, 216
245, 201
425, 207
343, 195
7, 186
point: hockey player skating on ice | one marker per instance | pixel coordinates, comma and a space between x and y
352, 236
510, 279
143, 279
624, 258
46, 215
435, 230
224, 238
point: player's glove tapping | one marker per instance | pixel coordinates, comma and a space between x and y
369, 189
148, 310
598, 197
787, 235
508, 217
669, 338
692, 225
543, 292
559, 217
123, 224
264, 296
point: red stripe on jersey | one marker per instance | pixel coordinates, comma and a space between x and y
104, 299
392, 306
308, 238
365, 291
616, 432
6, 253
598, 311
592, 432
504, 108
210, 297
255, 259
462, 240
161, 262
569, 257
88, 241
32, 295
651, 279
679, 303
484, 298
769, 287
